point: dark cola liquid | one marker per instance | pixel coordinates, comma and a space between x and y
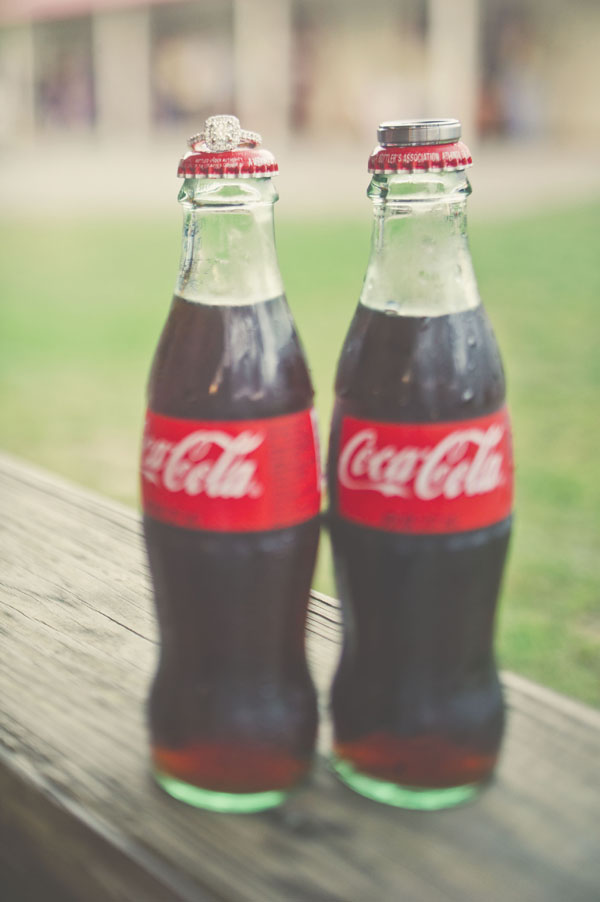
416, 700
232, 708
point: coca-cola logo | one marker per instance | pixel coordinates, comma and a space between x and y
209, 462
425, 477
448, 469
230, 475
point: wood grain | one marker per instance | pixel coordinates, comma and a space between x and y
80, 818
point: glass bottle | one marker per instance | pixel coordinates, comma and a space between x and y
420, 485
231, 497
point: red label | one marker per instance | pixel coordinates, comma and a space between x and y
426, 477
231, 475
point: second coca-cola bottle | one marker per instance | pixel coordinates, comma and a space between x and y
231, 496
420, 482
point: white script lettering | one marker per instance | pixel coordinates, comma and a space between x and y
465, 462
188, 465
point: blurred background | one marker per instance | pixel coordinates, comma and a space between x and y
97, 98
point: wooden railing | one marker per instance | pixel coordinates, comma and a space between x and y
82, 821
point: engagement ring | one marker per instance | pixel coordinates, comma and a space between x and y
224, 133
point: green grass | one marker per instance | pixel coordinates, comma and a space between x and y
83, 304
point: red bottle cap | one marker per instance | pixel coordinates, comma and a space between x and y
224, 150
419, 145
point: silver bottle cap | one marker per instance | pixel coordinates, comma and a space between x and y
406, 132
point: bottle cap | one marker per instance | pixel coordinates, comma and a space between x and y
225, 150
428, 145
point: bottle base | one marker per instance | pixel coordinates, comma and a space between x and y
412, 797
224, 802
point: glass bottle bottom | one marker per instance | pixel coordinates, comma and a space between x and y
426, 799
225, 802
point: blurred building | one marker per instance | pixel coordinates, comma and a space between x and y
306, 68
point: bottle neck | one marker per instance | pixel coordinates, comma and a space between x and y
228, 251
420, 264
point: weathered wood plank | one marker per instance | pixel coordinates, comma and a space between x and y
81, 818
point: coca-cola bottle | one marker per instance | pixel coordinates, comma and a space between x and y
231, 496
420, 482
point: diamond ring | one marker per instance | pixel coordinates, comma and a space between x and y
223, 133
